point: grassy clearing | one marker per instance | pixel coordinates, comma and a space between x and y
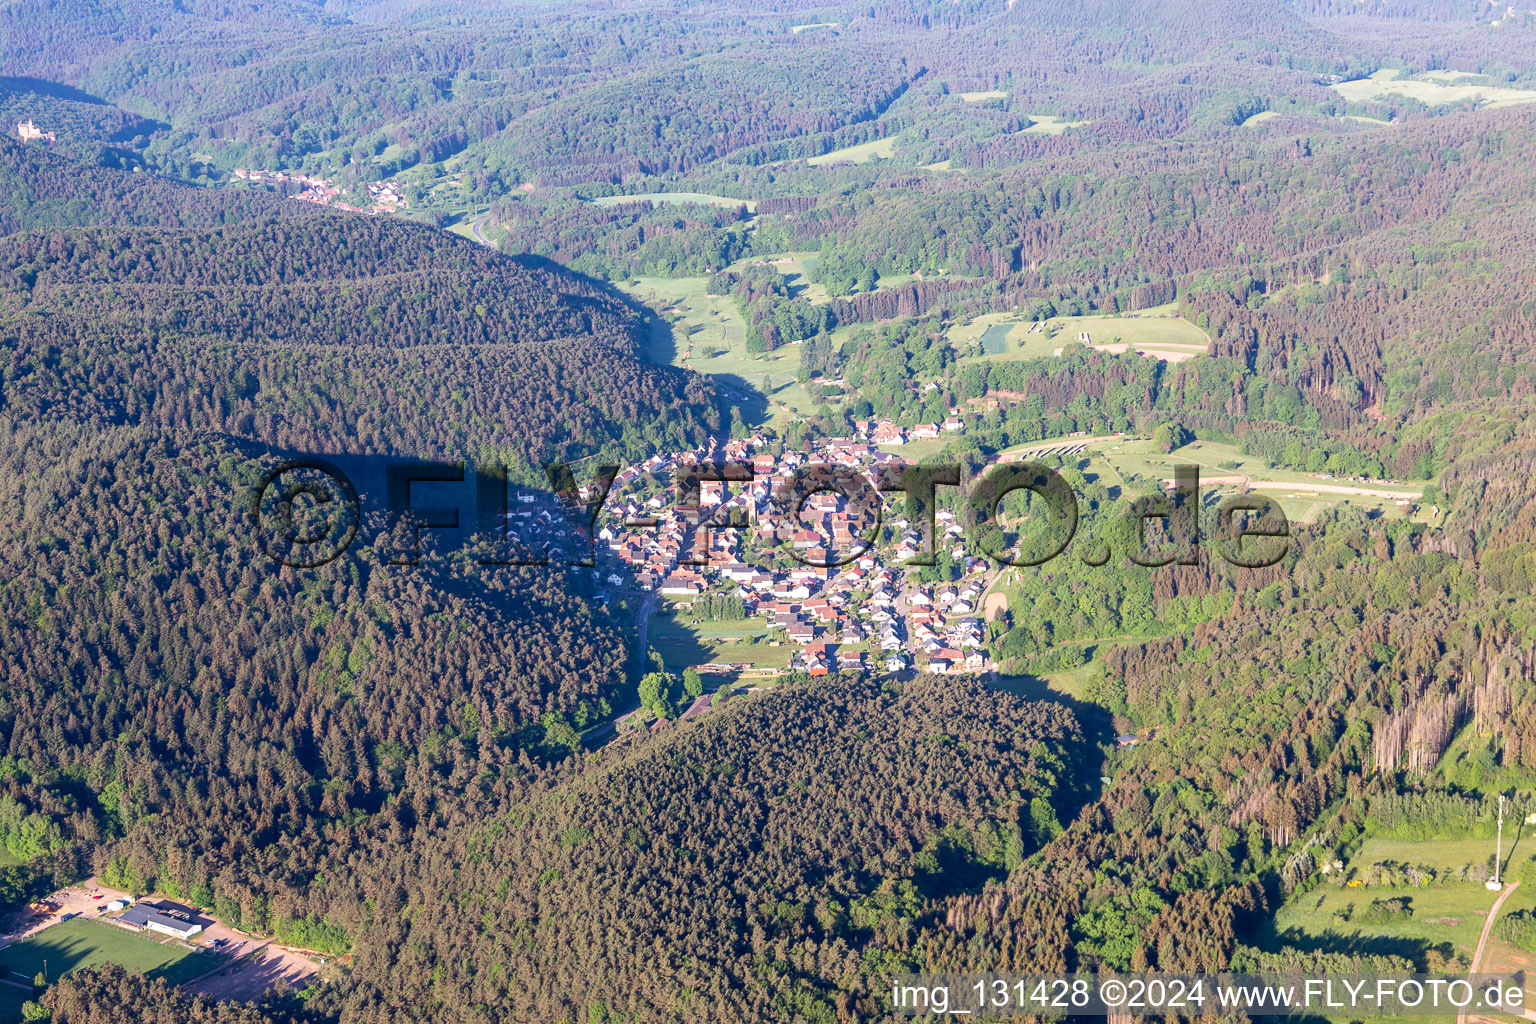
984, 94
1006, 336
1136, 463
80, 943
685, 644
1447, 77
920, 449
863, 153
679, 198
1443, 854
797, 29
707, 335
9, 859
1450, 912
1051, 124
1434, 93
1260, 118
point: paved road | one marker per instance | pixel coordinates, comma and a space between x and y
1477, 957
474, 229
600, 735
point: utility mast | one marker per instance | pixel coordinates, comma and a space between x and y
1498, 850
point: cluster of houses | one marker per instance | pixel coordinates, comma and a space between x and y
884, 432
384, 196
837, 598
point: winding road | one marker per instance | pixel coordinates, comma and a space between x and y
474, 229
598, 736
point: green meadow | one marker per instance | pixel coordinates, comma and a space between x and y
863, 153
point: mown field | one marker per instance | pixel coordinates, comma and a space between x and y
1050, 124
1444, 914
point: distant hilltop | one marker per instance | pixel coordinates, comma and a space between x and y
29, 131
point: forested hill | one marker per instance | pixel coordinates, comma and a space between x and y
180, 709
40, 189
298, 319
750, 868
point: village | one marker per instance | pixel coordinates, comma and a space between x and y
818, 581
384, 196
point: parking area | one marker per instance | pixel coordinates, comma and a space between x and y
248, 979
84, 900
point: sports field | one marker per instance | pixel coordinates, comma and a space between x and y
72, 944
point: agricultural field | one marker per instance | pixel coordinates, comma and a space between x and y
1304, 496
1135, 463
863, 153
679, 198
81, 942
1153, 332
1000, 336
1435, 92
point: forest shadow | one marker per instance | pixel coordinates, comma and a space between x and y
735, 390
54, 90
660, 341
1268, 937
1098, 727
